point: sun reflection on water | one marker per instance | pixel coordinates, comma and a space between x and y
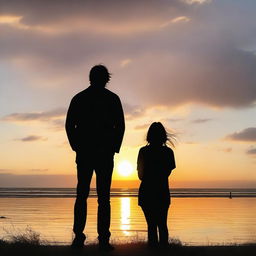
125, 215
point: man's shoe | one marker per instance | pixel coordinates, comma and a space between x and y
153, 245
78, 241
164, 246
106, 247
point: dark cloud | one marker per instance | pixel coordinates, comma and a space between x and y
206, 60
51, 12
35, 116
246, 135
216, 81
84, 25
32, 138
201, 120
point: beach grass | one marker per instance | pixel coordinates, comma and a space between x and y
28, 243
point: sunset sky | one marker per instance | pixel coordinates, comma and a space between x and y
189, 64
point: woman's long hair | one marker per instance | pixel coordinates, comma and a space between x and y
157, 134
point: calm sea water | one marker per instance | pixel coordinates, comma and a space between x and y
178, 192
194, 217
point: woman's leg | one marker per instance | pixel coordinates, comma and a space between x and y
150, 216
162, 225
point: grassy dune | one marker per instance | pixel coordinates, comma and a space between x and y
131, 249
28, 243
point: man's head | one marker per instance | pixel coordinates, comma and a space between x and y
99, 76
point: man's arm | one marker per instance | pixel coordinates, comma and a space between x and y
119, 125
70, 125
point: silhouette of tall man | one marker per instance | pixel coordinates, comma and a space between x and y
95, 128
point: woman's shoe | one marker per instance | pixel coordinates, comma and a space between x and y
106, 247
78, 241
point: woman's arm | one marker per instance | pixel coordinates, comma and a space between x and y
140, 165
171, 162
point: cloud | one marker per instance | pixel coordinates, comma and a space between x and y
103, 16
173, 120
251, 151
54, 118
32, 138
196, 63
227, 150
36, 180
5, 171
125, 62
14, 172
180, 19
191, 142
215, 81
8, 19
35, 116
16, 22
58, 124
38, 170
175, 20
246, 135
196, 1
142, 127
133, 111
201, 120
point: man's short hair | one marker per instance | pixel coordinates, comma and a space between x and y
99, 75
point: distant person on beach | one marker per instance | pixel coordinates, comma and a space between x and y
95, 128
155, 163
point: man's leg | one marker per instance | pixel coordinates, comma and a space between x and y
103, 181
84, 176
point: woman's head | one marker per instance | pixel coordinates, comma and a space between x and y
157, 135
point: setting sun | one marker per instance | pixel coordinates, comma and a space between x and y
125, 168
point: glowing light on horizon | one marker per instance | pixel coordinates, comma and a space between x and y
125, 168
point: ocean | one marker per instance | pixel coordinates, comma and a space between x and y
176, 192
196, 216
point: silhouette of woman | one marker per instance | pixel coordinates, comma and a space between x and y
155, 163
